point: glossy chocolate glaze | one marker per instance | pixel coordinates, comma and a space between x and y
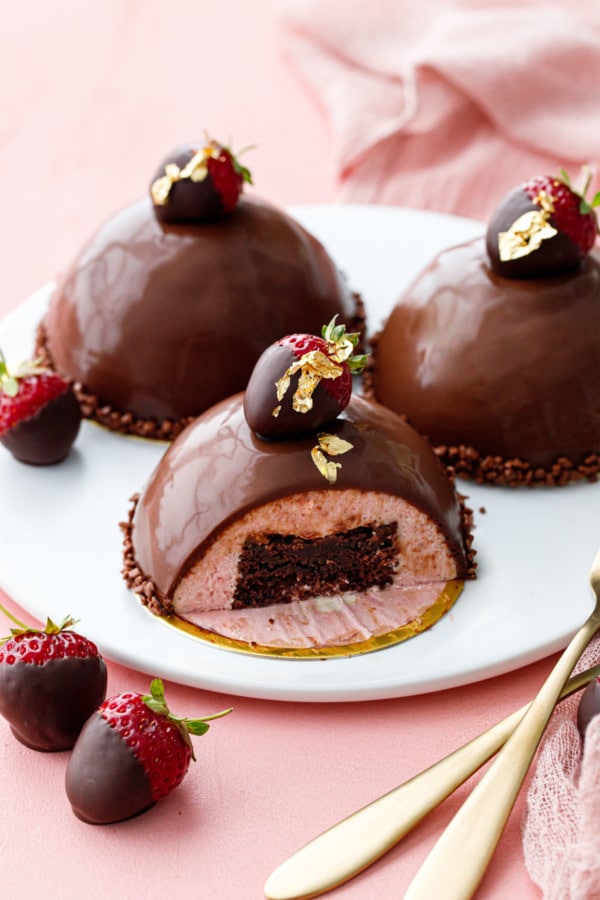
218, 469
104, 780
46, 437
165, 320
554, 255
48, 705
511, 368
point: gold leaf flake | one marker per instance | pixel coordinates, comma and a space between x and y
160, 190
327, 468
313, 366
525, 235
276, 411
333, 445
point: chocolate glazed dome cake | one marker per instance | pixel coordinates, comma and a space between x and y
169, 305
494, 354
328, 540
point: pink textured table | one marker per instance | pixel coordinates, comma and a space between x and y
90, 102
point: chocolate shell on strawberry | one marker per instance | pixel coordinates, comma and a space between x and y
39, 413
51, 680
302, 381
542, 228
132, 752
199, 182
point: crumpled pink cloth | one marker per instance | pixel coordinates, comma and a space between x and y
561, 828
448, 104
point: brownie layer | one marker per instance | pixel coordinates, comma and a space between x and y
280, 568
503, 376
155, 323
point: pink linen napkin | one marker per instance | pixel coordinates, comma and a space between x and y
447, 104
561, 828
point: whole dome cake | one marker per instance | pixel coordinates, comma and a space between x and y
168, 307
493, 352
348, 535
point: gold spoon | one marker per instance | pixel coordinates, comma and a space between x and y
459, 859
359, 840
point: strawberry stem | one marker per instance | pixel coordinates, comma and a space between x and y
155, 700
341, 345
50, 628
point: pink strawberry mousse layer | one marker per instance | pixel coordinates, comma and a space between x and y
219, 484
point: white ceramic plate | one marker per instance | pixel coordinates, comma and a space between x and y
60, 545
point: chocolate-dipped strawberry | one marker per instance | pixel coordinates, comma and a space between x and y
39, 414
589, 706
51, 680
302, 381
131, 752
542, 228
198, 183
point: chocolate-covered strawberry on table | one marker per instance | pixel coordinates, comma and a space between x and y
132, 752
51, 680
39, 413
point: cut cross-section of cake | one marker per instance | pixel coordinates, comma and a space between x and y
332, 539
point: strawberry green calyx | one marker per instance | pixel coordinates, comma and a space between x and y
156, 701
585, 206
340, 346
50, 628
241, 170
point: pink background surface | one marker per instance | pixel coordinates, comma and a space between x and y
90, 102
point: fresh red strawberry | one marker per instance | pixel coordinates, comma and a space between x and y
131, 752
51, 681
589, 706
542, 228
198, 183
302, 381
39, 414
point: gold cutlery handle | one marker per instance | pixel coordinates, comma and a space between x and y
354, 843
457, 863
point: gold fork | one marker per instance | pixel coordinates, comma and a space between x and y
356, 842
459, 859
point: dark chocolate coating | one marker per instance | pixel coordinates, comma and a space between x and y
165, 320
218, 469
260, 398
47, 705
104, 780
555, 255
589, 705
188, 201
46, 437
510, 368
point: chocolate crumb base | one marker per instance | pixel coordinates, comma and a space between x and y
150, 596
106, 415
134, 578
127, 422
466, 462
